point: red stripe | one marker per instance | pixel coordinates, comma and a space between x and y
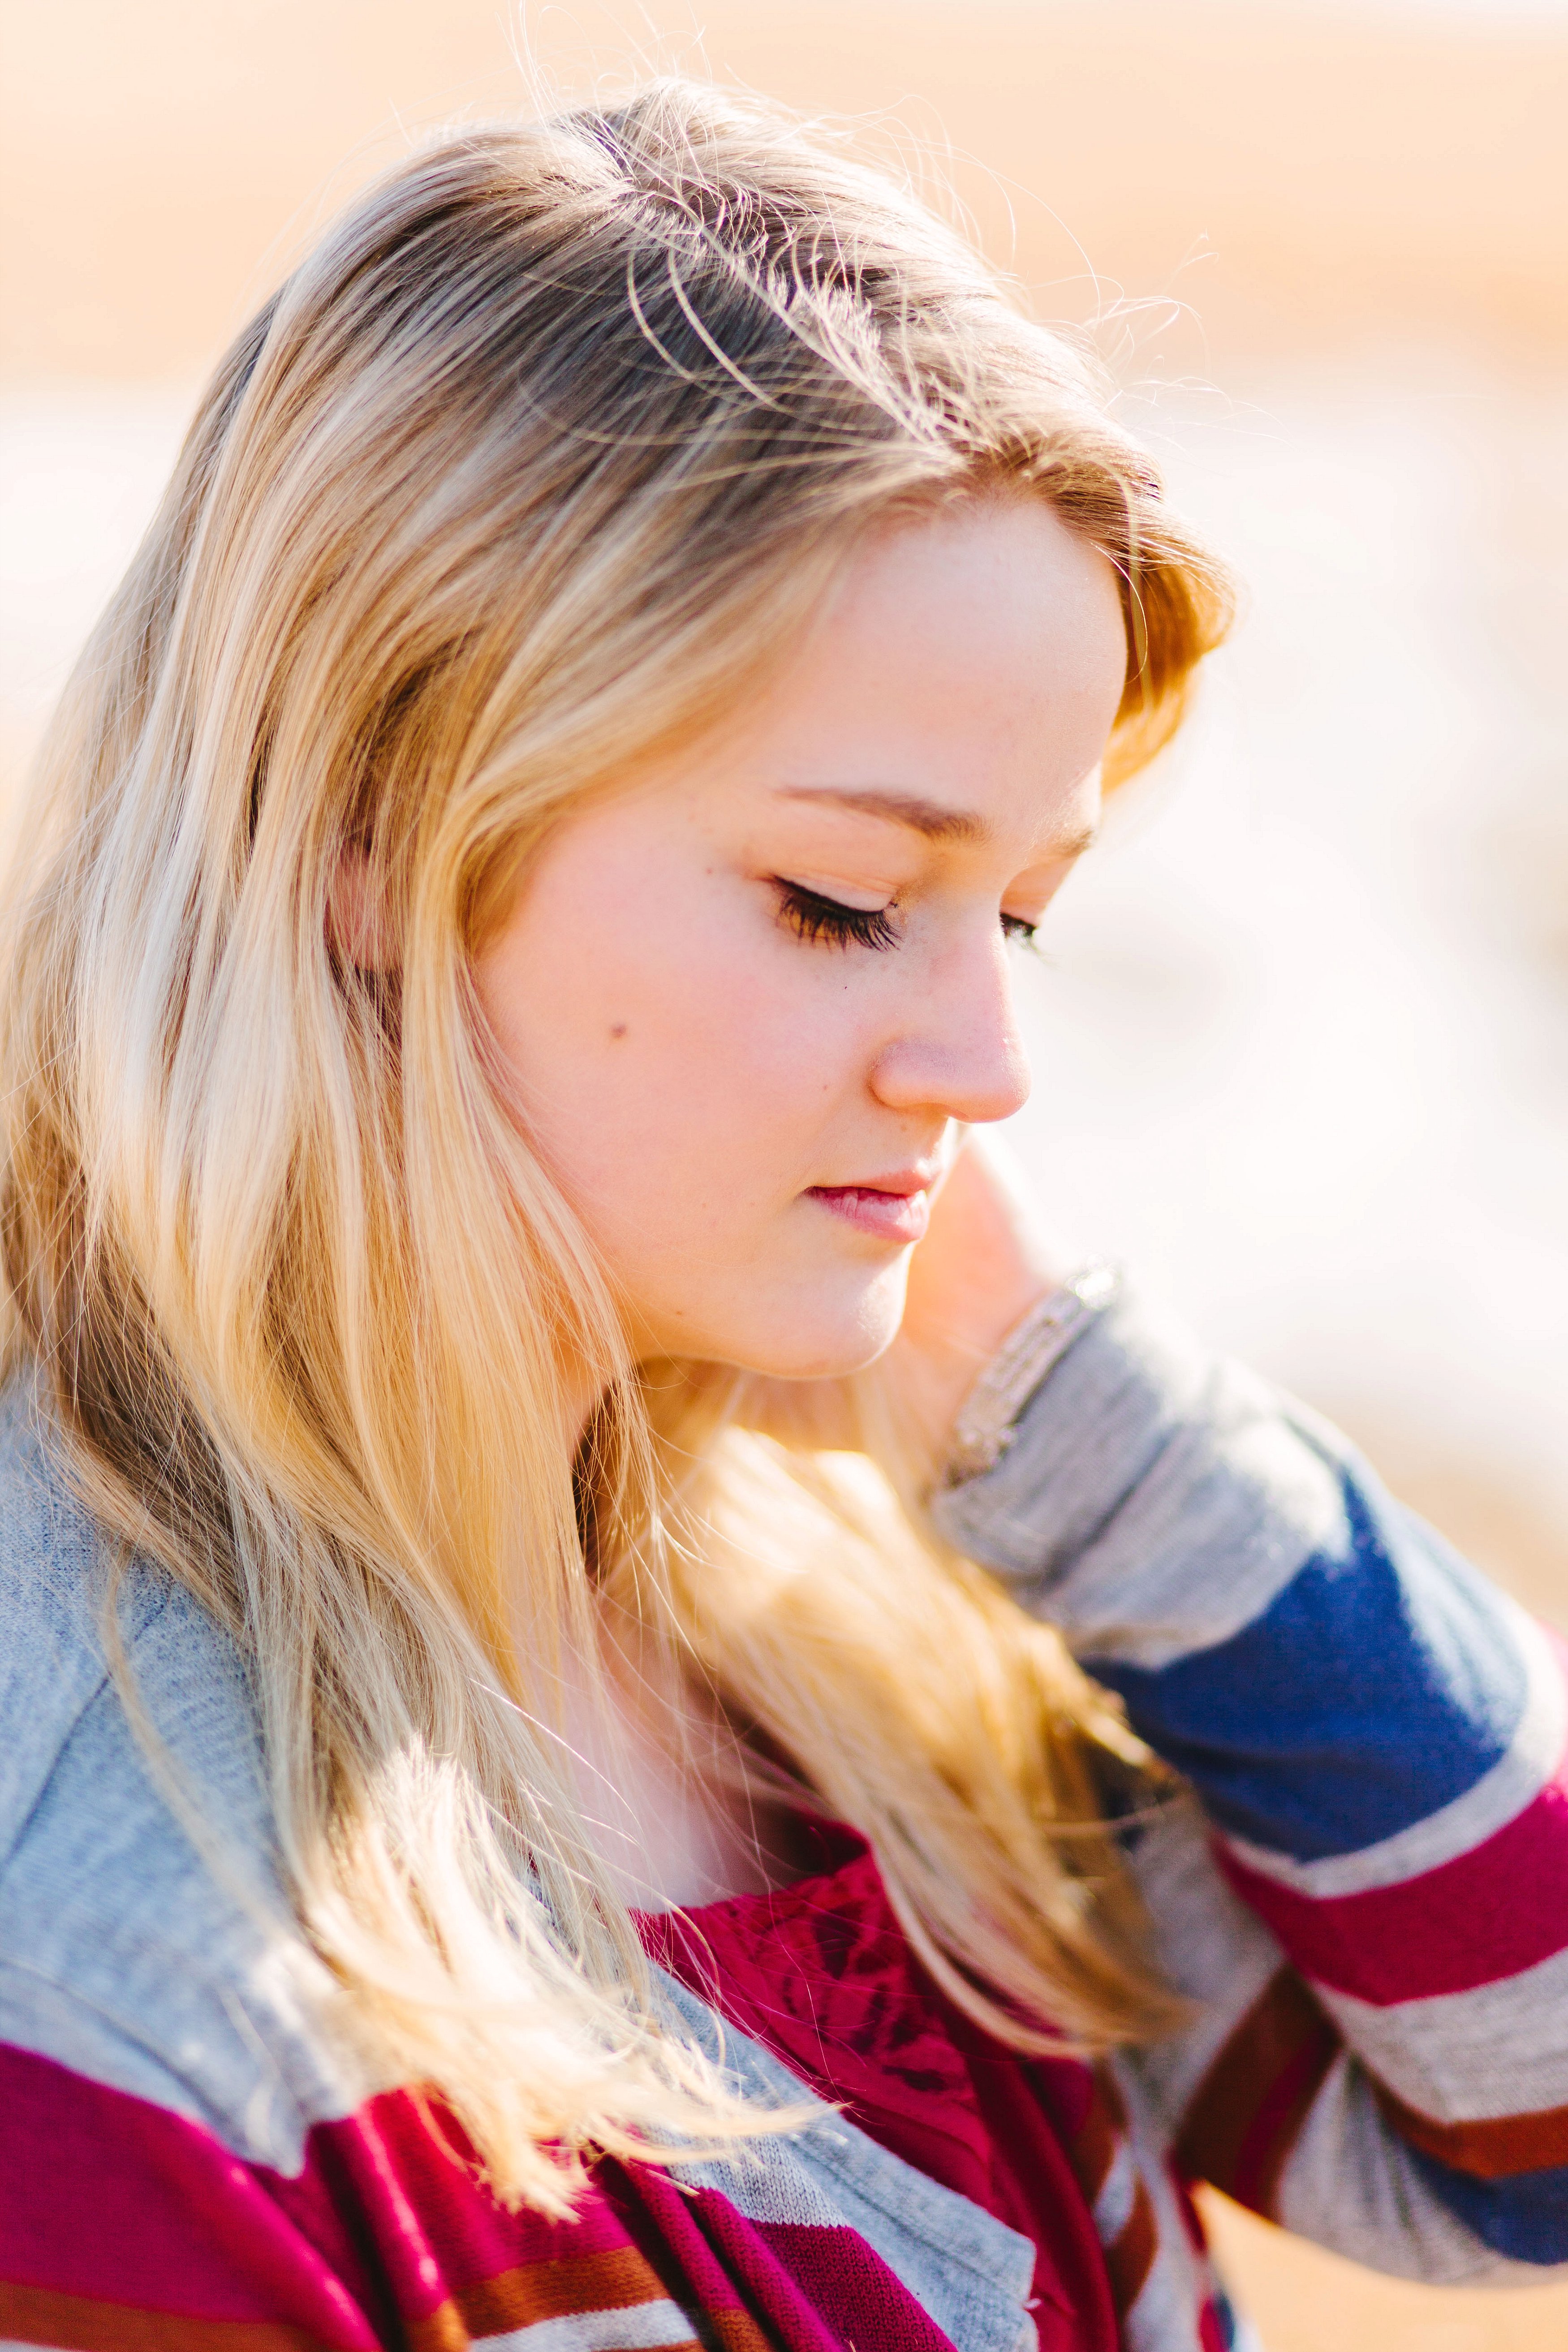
1488, 1914
113, 2203
109, 2199
1213, 2334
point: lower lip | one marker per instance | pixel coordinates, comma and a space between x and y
897, 1217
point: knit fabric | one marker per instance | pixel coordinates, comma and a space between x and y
822, 1973
1365, 1892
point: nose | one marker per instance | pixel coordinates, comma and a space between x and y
958, 1050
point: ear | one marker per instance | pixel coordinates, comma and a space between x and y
359, 921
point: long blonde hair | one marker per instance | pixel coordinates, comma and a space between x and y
551, 444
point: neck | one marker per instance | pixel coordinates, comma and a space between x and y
674, 1826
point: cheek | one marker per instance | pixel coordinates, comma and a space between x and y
666, 1045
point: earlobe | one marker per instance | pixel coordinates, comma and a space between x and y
359, 920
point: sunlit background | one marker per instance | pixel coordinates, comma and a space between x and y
1303, 1039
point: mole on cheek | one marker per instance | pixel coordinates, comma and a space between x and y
620, 1029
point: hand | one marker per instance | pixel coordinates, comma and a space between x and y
985, 1261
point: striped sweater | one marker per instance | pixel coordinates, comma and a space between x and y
1365, 1892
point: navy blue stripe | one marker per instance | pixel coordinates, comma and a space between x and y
1523, 2216
1379, 1685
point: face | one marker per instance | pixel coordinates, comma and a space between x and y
749, 1003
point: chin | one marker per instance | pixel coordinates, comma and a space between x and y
828, 1339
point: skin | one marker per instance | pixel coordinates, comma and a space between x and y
752, 1115
759, 1118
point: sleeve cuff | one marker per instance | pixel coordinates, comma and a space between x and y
1154, 1491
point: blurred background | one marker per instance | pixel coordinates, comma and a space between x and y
1302, 1042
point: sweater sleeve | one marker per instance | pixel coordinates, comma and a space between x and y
1367, 1891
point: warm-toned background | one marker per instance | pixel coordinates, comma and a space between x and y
1303, 1047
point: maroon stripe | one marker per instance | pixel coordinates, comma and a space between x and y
615, 2280
1243, 2120
1130, 2257
82, 2322
1092, 2151
1276, 2123
737, 2331
1488, 1914
1491, 2148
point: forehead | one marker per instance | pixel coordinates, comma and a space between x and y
1002, 572
961, 678
994, 607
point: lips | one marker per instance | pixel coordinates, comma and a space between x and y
896, 1209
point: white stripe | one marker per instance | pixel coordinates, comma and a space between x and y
1351, 2184
1114, 2204
641, 2327
1166, 2316
1533, 1757
1463, 2057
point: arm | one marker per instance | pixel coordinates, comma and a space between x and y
1373, 1906
125, 2223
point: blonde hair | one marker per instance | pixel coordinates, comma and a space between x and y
554, 441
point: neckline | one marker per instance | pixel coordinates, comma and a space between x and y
846, 1853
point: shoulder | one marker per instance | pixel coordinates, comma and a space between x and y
153, 1959
54, 1565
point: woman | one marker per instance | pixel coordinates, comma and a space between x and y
548, 1800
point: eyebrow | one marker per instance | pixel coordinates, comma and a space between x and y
930, 818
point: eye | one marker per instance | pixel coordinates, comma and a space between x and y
1014, 927
812, 917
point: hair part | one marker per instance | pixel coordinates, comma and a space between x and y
552, 443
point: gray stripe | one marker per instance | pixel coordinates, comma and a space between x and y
1350, 2185
1461, 2057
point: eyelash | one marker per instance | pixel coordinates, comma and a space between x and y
814, 918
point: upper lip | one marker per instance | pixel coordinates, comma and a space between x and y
902, 1181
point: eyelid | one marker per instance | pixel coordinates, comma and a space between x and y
839, 892
820, 919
